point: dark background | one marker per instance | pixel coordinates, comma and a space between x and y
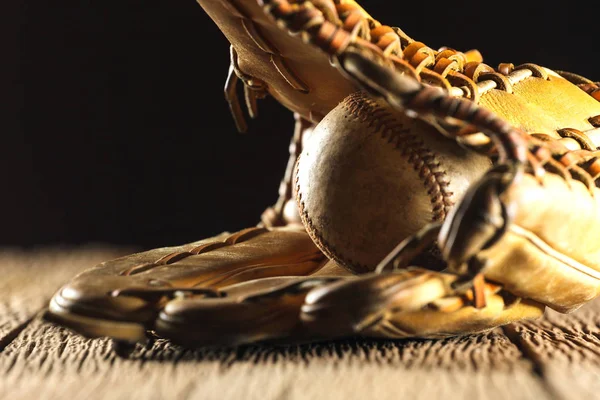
115, 128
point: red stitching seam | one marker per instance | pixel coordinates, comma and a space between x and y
423, 160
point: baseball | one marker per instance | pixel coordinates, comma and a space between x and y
372, 176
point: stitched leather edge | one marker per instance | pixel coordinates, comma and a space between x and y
191, 250
423, 160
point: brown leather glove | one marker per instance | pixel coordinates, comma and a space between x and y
522, 237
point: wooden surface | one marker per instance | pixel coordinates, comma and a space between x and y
555, 358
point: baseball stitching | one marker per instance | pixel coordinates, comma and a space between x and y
424, 162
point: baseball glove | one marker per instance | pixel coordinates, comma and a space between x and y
509, 241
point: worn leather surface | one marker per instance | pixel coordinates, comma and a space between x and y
551, 253
222, 260
540, 105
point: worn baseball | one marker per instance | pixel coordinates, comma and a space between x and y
372, 176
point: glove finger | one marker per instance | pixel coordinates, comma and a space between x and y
266, 253
121, 298
409, 303
259, 310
